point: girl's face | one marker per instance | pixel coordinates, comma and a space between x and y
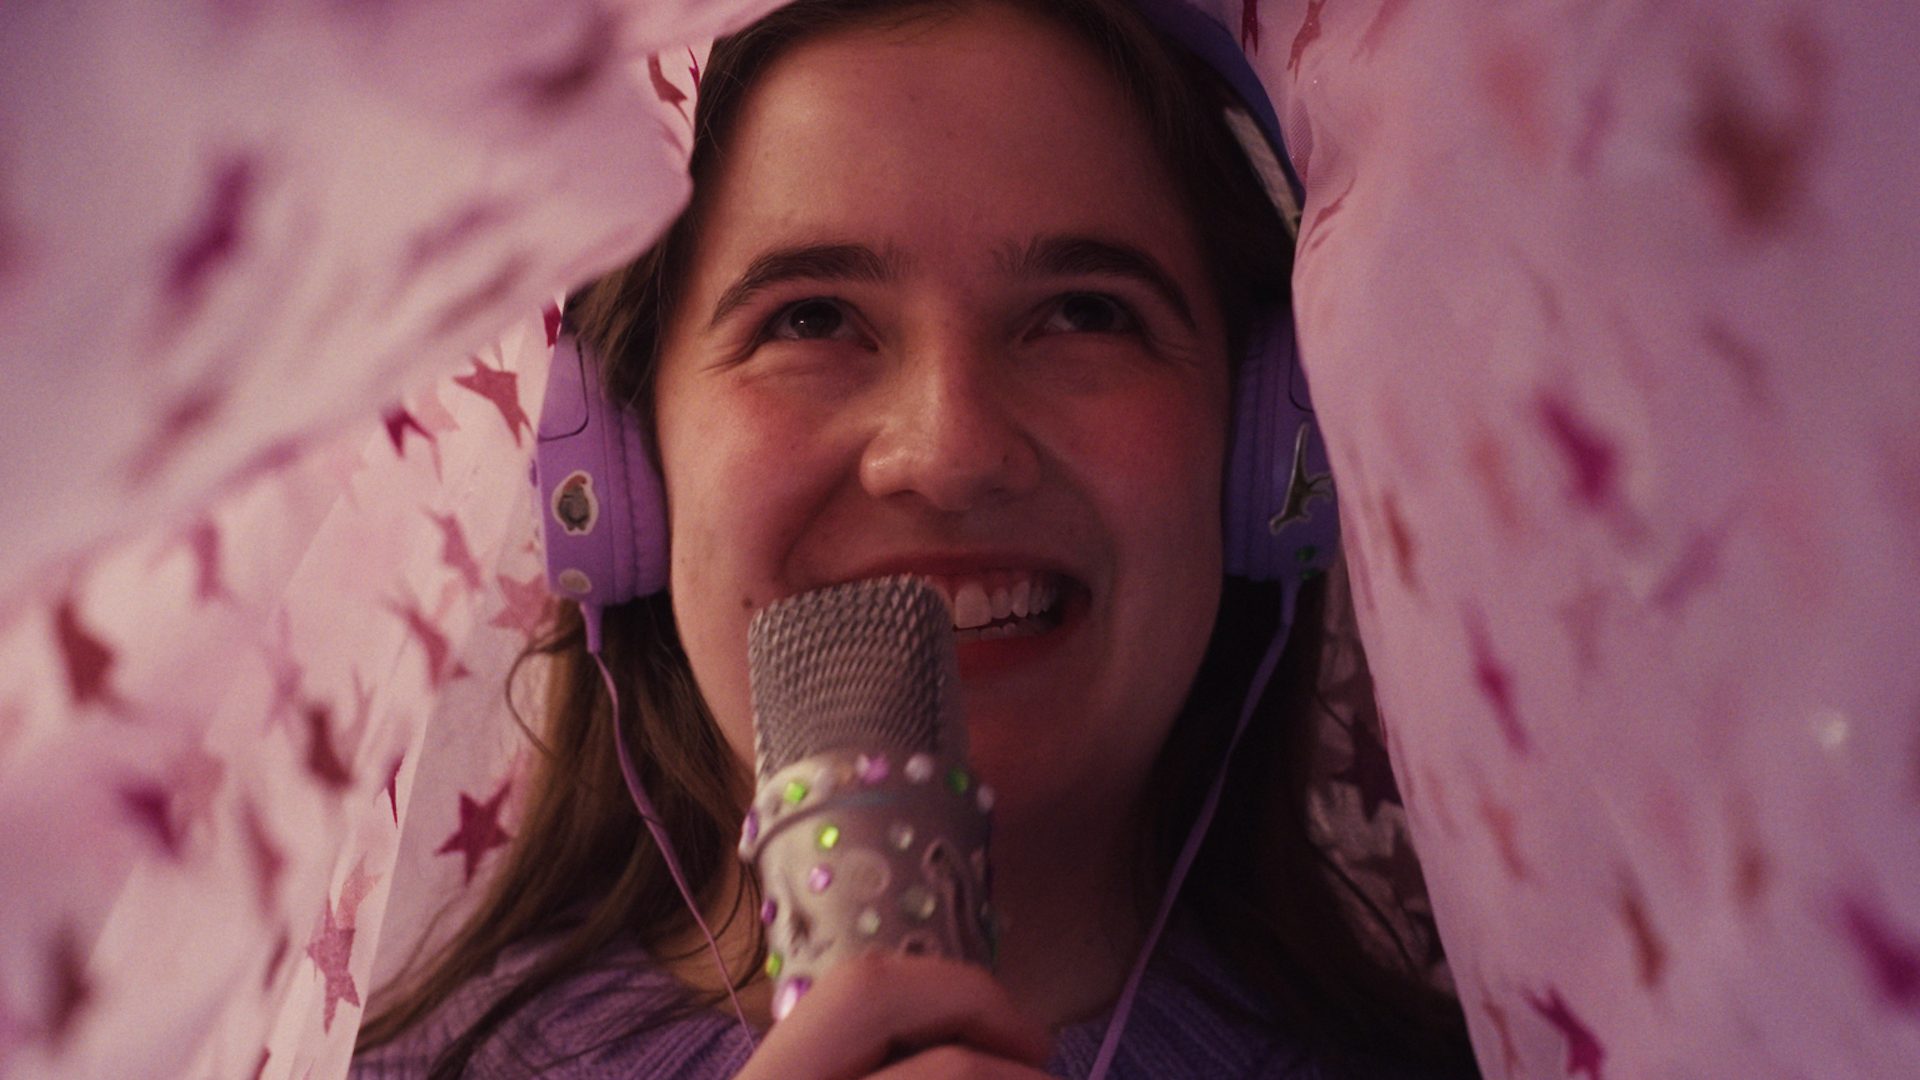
947, 317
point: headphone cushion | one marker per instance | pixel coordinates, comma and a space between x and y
602, 509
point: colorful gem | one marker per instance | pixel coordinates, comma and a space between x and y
769, 911
828, 836
983, 798
920, 768
789, 995
868, 922
795, 792
900, 835
750, 830
862, 872
918, 903
958, 781
819, 878
871, 770
774, 963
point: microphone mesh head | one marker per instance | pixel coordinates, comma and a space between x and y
868, 664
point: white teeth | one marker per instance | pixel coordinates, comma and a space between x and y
970, 607
974, 608
1002, 604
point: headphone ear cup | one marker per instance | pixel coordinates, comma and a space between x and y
603, 512
1279, 520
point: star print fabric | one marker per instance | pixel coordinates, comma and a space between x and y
272, 277
1608, 309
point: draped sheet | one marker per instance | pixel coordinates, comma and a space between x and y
1608, 308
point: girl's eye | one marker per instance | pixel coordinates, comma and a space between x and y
809, 320
1089, 313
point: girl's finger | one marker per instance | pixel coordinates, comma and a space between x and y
882, 1008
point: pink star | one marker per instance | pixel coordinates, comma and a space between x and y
1697, 567
454, 551
502, 388
180, 422
663, 88
269, 862
278, 958
1893, 958
1309, 33
151, 806
1584, 1052
550, 317
480, 830
287, 672
89, 660
399, 421
1377, 30
323, 761
1649, 949
331, 949
1500, 822
1591, 457
1584, 616
1406, 546
393, 787
217, 238
526, 605
204, 540
453, 234
71, 991
1510, 1055
431, 640
1496, 685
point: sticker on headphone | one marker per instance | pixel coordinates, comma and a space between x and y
575, 506
1302, 487
575, 583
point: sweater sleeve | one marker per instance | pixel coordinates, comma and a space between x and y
624, 1018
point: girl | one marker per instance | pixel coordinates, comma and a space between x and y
960, 294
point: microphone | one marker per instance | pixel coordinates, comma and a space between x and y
868, 830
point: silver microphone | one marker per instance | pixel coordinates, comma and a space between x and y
868, 829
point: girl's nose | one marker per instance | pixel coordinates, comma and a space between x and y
951, 432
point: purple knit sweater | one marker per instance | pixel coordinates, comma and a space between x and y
581, 1030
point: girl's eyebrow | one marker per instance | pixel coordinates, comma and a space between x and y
812, 262
1071, 256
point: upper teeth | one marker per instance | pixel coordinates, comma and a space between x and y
973, 605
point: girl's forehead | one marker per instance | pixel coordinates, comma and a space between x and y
983, 130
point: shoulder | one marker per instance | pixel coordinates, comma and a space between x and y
621, 1017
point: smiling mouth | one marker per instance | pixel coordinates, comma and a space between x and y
1003, 605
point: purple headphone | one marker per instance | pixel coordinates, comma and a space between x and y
603, 509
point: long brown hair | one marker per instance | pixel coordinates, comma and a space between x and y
583, 872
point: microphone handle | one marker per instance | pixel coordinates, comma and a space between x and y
861, 849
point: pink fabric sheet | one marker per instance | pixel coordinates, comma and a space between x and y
1609, 308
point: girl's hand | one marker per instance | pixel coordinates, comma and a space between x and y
895, 1017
